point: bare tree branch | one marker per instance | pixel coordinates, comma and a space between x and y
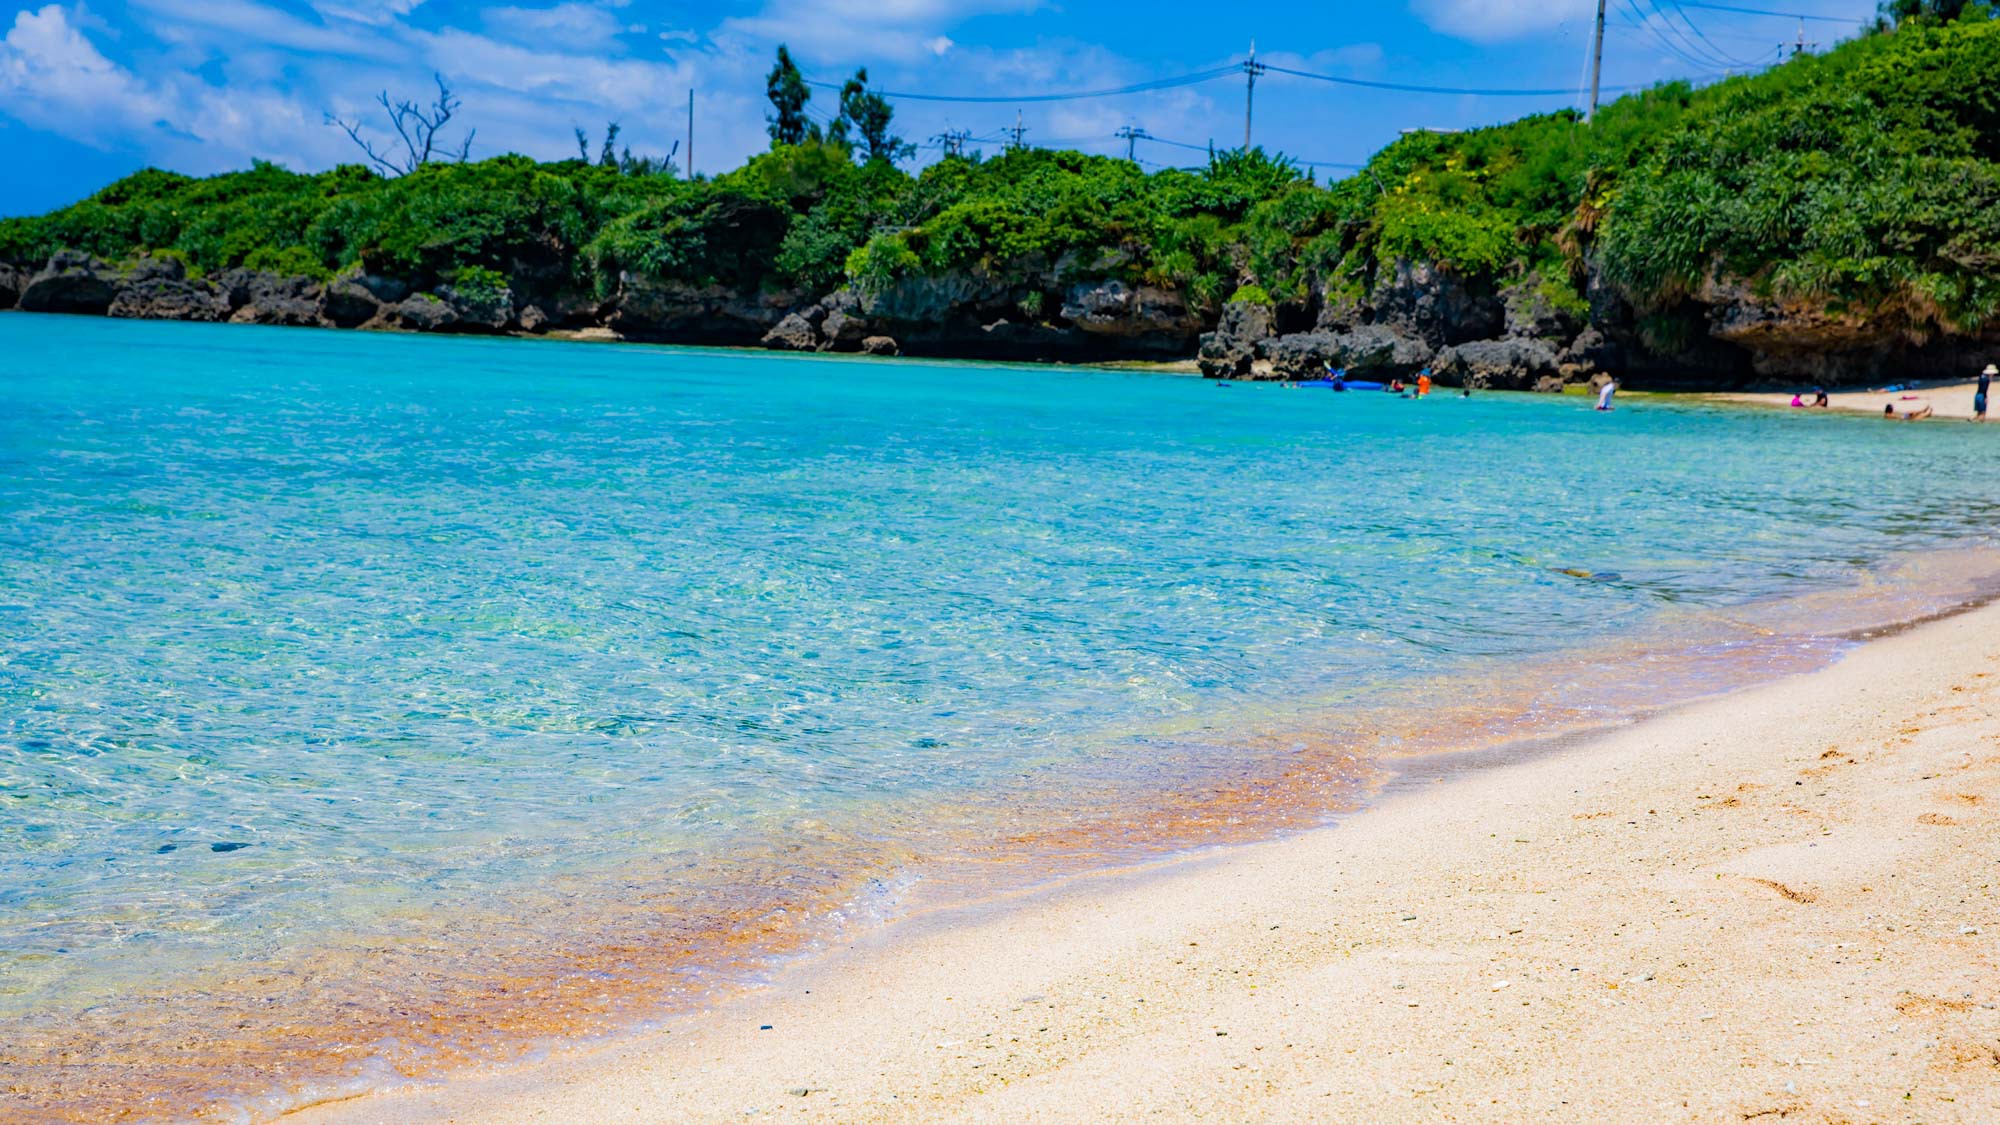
416, 127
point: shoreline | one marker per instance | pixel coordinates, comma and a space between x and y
1949, 401
1752, 841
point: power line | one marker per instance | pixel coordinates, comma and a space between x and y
1693, 50
1763, 12
1011, 99
1636, 19
1699, 34
1409, 89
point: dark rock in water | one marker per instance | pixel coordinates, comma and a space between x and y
424, 313
879, 345
257, 297
843, 331
159, 289
228, 846
478, 310
165, 848
676, 312
1227, 352
1422, 302
72, 282
1373, 350
1510, 364
349, 303
11, 281
795, 333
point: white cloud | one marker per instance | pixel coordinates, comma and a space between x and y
54, 78
570, 27
940, 45
374, 12
237, 23
864, 31
1490, 20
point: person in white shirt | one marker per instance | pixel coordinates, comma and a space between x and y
1604, 396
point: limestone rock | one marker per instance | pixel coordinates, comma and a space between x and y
349, 303
1421, 302
72, 282
879, 345
1371, 350
256, 297
795, 333
1532, 316
11, 281
424, 312
1113, 308
1229, 351
1510, 364
478, 310
169, 297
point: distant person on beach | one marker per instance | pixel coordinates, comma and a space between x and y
1604, 396
1798, 401
1914, 410
1979, 395
1819, 397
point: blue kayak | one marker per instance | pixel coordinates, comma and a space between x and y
1352, 384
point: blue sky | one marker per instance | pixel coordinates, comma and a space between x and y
92, 89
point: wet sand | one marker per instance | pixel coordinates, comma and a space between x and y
1775, 905
1948, 401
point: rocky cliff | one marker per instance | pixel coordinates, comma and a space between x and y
1416, 316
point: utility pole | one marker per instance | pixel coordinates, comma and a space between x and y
690, 132
1018, 130
1251, 69
1596, 62
1801, 47
953, 141
1132, 136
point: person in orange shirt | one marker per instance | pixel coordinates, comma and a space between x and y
1423, 382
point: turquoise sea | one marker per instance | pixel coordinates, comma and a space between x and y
370, 704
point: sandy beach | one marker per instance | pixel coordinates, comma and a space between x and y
1948, 400
1774, 905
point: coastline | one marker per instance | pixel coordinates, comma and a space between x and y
1948, 400
1772, 902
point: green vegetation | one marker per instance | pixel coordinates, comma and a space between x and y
1866, 181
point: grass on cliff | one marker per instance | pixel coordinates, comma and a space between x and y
1865, 181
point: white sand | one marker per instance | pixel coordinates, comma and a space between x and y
1776, 906
1948, 401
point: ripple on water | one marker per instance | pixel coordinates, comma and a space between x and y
370, 705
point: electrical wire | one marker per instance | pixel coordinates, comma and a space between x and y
1718, 52
1763, 12
1636, 19
1412, 89
1666, 26
1135, 88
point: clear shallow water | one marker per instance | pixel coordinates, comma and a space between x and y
466, 641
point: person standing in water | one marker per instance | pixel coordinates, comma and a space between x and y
1604, 395
1979, 395
1423, 382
